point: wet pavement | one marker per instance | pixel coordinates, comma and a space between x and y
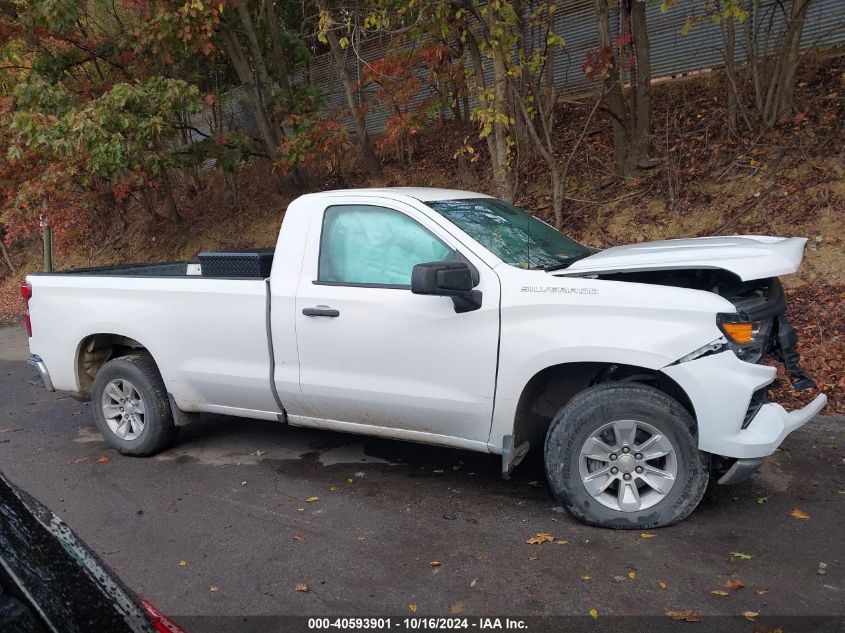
398, 524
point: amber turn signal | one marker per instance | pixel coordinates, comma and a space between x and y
739, 332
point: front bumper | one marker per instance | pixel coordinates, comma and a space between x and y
43, 377
720, 387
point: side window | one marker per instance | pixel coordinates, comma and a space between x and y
364, 244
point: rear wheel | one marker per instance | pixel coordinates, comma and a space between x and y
131, 405
623, 455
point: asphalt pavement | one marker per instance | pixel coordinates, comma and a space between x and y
240, 514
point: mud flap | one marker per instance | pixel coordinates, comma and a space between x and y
510, 456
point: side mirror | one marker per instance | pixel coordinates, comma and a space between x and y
447, 279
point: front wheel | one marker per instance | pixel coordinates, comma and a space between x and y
623, 455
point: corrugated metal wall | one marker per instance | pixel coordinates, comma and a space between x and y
671, 52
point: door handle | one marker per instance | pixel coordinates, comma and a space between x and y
321, 311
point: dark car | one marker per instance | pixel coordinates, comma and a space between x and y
50, 581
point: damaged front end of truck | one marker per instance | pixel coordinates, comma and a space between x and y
729, 379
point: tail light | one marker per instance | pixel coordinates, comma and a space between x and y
26, 293
160, 621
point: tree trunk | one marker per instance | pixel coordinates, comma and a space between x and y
5, 252
244, 72
613, 88
642, 87
730, 73
280, 60
498, 160
167, 187
371, 161
779, 98
502, 177
252, 40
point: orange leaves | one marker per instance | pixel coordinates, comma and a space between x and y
545, 537
598, 63
687, 615
797, 513
540, 538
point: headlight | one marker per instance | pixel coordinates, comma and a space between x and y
749, 340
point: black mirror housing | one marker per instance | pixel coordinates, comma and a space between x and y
447, 279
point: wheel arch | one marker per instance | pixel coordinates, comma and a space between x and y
94, 351
553, 387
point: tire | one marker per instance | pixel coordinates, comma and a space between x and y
146, 433
622, 415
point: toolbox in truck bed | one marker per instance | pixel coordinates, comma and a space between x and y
243, 263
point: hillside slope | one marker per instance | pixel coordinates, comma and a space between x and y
789, 181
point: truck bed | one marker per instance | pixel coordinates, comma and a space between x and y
163, 269
241, 264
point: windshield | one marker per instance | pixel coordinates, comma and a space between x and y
514, 236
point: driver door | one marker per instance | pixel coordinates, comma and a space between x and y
371, 353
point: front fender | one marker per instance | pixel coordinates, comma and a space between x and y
553, 321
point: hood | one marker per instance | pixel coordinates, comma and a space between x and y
747, 256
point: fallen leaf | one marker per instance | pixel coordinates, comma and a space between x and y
797, 513
762, 500
212, 588
632, 575
412, 607
301, 586
742, 555
312, 499
298, 537
647, 535
734, 583
457, 608
687, 615
585, 578
750, 615
435, 563
350, 480
333, 488
183, 563
473, 583
102, 459
540, 537
5, 430
532, 557
560, 541
662, 585
719, 592
594, 614
762, 592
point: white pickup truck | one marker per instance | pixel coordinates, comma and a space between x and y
451, 318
